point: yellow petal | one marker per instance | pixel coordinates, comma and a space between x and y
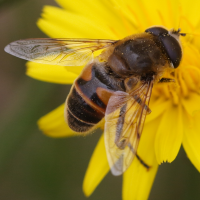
191, 138
137, 180
191, 103
50, 73
162, 12
157, 107
74, 69
98, 167
192, 17
169, 135
99, 12
59, 23
53, 124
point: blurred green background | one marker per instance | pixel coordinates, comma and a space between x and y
36, 167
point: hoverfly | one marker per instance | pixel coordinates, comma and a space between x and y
116, 85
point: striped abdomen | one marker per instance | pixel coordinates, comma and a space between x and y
88, 98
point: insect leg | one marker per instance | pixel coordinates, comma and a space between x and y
142, 162
166, 80
138, 157
139, 101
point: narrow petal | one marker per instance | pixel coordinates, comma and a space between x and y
98, 167
157, 107
58, 23
191, 138
194, 7
105, 13
90, 8
50, 73
138, 180
74, 69
162, 12
169, 135
53, 124
191, 103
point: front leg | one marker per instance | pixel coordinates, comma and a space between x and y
166, 80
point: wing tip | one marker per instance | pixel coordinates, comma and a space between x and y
116, 172
7, 49
12, 52
117, 168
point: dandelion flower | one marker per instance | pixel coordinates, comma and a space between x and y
175, 106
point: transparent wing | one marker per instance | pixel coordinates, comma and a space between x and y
125, 117
65, 52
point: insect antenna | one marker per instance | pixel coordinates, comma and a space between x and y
193, 34
178, 31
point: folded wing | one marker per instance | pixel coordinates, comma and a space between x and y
125, 117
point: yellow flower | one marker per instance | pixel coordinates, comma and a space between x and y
175, 106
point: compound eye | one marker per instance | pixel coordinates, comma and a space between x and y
169, 44
172, 49
156, 31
